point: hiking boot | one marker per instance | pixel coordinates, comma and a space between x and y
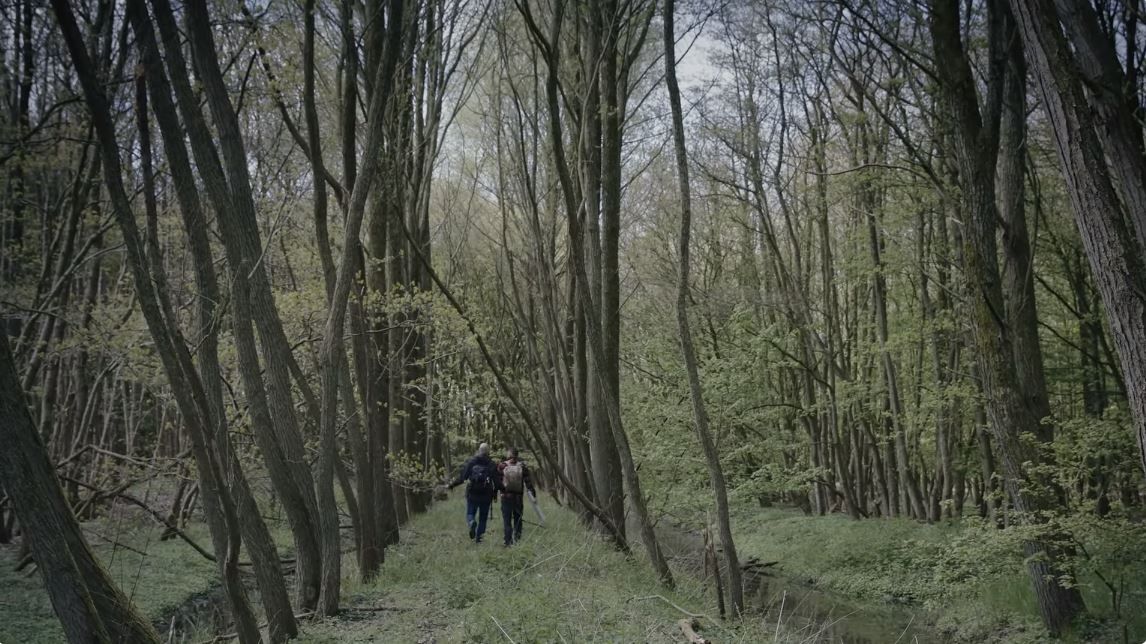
473, 531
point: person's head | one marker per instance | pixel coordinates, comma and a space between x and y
483, 449
511, 453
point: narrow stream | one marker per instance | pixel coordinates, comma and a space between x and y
803, 614
203, 613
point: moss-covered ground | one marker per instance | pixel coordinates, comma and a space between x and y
158, 576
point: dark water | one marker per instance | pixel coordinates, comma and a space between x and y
798, 613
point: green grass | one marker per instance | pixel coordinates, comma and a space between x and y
25, 612
970, 582
563, 583
158, 582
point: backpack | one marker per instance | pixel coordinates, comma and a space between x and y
480, 480
513, 477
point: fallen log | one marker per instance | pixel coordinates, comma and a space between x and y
120, 493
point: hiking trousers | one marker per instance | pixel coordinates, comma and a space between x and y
477, 513
512, 506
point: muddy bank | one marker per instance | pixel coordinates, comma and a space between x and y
199, 616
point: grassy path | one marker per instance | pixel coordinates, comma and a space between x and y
560, 584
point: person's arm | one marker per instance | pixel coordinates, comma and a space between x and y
527, 479
465, 474
499, 478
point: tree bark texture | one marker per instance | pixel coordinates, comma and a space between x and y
976, 148
1114, 253
91, 608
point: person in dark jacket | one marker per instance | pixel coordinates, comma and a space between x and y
480, 473
515, 480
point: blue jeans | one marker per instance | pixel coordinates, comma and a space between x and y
479, 507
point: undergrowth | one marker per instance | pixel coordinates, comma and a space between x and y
157, 575
968, 577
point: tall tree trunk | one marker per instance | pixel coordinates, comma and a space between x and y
1018, 256
607, 480
397, 337
1115, 255
368, 459
378, 440
594, 336
332, 346
376, 263
264, 556
1112, 95
606, 271
274, 429
696, 394
976, 149
151, 289
278, 360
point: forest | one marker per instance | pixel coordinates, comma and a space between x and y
815, 320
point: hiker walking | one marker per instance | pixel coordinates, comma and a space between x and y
515, 480
480, 473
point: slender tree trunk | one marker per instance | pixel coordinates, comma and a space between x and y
332, 346
378, 444
397, 336
607, 269
278, 438
264, 555
278, 360
151, 289
594, 336
696, 394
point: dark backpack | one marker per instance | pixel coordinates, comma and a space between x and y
481, 479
